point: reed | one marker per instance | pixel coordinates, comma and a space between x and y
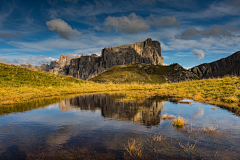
134, 149
179, 121
187, 147
158, 138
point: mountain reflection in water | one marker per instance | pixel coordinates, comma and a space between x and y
147, 113
100, 126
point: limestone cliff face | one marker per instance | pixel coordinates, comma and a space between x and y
220, 68
86, 67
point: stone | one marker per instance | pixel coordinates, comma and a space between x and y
220, 68
86, 67
179, 74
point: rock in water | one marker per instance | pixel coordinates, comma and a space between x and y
86, 67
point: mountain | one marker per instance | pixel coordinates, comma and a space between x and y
86, 66
220, 68
145, 73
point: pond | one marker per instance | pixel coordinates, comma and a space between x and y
100, 126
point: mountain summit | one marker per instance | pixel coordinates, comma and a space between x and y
86, 66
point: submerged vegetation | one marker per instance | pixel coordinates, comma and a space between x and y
19, 84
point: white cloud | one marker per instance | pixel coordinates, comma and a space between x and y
8, 35
189, 33
166, 21
214, 31
12, 36
4, 60
65, 30
131, 24
101, 29
35, 61
199, 53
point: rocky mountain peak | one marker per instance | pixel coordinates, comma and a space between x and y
220, 68
86, 66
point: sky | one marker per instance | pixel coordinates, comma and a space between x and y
191, 32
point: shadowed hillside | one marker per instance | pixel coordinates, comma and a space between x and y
220, 68
145, 73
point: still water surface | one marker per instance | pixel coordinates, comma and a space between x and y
99, 127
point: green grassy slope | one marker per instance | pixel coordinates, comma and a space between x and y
15, 76
140, 73
20, 84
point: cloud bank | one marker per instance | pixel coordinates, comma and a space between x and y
35, 61
12, 36
214, 31
64, 29
133, 23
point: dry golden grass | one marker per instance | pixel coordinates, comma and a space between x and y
179, 121
158, 138
202, 130
171, 117
187, 147
164, 117
134, 149
18, 85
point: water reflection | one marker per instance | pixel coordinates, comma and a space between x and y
13, 153
199, 113
61, 136
97, 127
147, 113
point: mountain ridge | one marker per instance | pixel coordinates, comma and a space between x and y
86, 66
219, 68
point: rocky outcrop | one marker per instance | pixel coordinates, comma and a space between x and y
86, 67
30, 66
179, 74
58, 66
219, 68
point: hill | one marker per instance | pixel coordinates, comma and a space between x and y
16, 76
220, 68
21, 84
145, 73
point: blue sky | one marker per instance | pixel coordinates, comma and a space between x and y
190, 32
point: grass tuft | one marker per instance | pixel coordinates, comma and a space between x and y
179, 122
158, 138
134, 149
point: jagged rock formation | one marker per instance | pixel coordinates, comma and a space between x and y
58, 66
179, 74
86, 67
31, 66
219, 68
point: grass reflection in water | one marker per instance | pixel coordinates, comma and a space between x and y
101, 126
